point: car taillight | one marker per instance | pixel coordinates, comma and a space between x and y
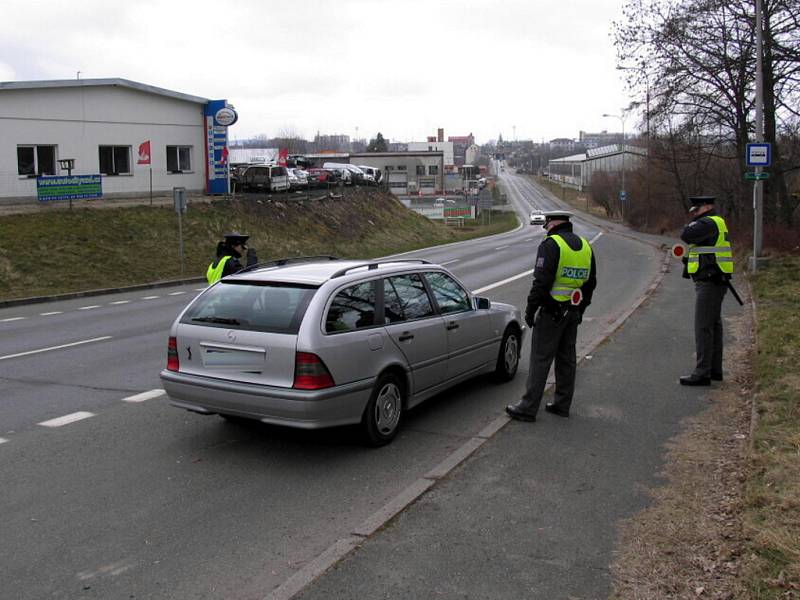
310, 373
173, 362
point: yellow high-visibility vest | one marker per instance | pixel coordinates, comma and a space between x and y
721, 250
573, 270
214, 274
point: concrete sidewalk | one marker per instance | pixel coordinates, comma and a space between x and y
534, 512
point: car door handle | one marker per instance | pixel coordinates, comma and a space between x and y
406, 336
452, 325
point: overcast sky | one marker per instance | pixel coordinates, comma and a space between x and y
402, 67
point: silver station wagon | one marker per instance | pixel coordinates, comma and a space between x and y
317, 342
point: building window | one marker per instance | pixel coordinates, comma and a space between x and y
433, 169
389, 168
420, 169
179, 159
36, 160
115, 160
401, 168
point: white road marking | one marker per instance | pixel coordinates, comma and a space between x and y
449, 262
98, 339
502, 247
55, 312
67, 419
3, 440
150, 297
528, 239
120, 302
595, 238
12, 319
175, 293
145, 396
89, 307
491, 286
200, 289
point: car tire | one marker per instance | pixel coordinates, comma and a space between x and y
508, 357
383, 414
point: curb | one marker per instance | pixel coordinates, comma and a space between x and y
100, 292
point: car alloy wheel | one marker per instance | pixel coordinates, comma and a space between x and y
508, 359
384, 411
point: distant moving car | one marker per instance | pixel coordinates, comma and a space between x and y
537, 218
316, 342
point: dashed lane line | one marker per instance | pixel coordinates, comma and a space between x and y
150, 297
67, 419
120, 302
8, 320
29, 352
175, 293
53, 312
502, 247
145, 396
90, 307
595, 238
450, 262
3, 440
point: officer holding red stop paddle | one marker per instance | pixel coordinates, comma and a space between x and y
564, 279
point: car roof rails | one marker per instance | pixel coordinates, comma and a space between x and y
372, 265
282, 262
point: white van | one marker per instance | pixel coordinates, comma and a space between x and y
376, 173
266, 178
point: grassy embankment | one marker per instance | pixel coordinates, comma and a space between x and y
773, 487
62, 251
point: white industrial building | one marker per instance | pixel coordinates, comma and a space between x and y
576, 171
435, 146
102, 124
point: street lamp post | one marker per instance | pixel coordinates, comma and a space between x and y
641, 68
622, 194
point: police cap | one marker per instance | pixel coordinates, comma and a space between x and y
235, 238
557, 215
698, 201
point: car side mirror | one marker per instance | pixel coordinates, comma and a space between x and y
482, 303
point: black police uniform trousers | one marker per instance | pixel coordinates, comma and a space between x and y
552, 337
708, 326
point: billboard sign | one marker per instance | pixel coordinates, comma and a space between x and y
68, 187
217, 114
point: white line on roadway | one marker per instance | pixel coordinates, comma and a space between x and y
595, 238
120, 302
150, 297
491, 286
55, 312
200, 289
12, 319
98, 339
502, 247
448, 262
175, 293
145, 396
89, 307
3, 440
66, 419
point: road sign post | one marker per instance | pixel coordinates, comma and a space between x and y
179, 200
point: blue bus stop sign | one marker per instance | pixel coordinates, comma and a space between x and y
759, 155
623, 195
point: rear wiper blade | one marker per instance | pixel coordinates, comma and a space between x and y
221, 320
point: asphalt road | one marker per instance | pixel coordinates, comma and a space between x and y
108, 492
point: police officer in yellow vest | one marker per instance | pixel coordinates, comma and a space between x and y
709, 262
564, 279
229, 252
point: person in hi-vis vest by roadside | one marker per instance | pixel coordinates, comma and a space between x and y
229, 252
709, 262
564, 279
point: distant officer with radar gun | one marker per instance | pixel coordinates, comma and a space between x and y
229, 251
564, 279
708, 261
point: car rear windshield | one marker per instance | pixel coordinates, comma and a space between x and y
252, 305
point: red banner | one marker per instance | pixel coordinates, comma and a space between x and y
283, 156
144, 153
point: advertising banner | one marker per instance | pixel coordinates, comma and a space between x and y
144, 153
218, 117
68, 187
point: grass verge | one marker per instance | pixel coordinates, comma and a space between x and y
66, 251
772, 511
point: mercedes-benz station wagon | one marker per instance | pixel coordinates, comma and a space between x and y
318, 342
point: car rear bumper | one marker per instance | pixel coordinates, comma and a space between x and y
305, 409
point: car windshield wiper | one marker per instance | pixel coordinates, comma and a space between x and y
221, 320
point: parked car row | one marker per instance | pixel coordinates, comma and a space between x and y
275, 178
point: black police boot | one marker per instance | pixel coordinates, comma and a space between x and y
514, 412
716, 376
553, 408
695, 380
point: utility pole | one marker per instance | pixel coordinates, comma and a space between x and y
758, 189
